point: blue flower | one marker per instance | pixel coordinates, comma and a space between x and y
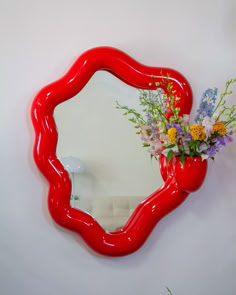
212, 93
207, 104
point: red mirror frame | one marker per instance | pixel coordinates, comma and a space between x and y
179, 180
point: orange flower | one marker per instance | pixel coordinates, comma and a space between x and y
197, 132
172, 133
219, 127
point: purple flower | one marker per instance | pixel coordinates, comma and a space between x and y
151, 123
212, 151
228, 138
188, 137
177, 126
219, 140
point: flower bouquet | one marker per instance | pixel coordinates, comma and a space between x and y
164, 131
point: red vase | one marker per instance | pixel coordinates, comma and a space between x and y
189, 177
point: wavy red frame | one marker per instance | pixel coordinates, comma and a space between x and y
153, 208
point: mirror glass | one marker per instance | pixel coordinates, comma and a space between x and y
110, 170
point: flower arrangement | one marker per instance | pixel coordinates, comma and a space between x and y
164, 131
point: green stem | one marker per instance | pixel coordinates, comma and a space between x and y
162, 115
231, 120
223, 95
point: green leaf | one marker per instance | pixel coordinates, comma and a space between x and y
170, 155
182, 159
132, 120
177, 110
169, 292
170, 146
198, 143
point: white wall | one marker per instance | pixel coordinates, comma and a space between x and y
193, 249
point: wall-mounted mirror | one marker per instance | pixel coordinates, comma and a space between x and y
111, 172
97, 169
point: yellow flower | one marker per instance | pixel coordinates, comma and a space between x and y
172, 132
197, 132
219, 127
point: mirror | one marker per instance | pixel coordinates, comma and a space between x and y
111, 172
102, 153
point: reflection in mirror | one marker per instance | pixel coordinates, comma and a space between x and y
111, 172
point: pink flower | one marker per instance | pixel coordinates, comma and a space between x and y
155, 147
163, 137
145, 134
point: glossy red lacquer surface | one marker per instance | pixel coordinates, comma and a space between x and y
179, 181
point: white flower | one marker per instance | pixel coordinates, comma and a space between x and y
203, 147
215, 116
204, 157
186, 148
186, 119
174, 149
208, 123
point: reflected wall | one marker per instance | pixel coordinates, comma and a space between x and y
117, 172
